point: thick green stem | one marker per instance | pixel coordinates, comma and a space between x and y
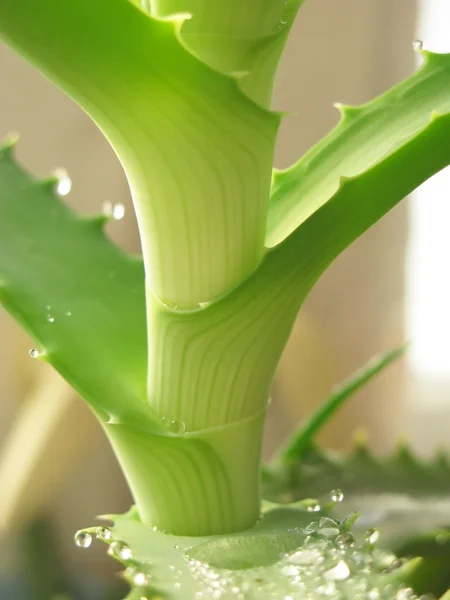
196, 484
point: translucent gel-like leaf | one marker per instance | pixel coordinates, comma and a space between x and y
292, 552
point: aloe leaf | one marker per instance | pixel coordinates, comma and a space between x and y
291, 552
246, 38
202, 221
379, 151
402, 495
303, 438
433, 575
80, 297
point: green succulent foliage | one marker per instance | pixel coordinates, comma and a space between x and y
294, 551
401, 494
229, 255
78, 295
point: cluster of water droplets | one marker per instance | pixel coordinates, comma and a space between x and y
137, 576
327, 565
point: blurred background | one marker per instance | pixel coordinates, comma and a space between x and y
390, 286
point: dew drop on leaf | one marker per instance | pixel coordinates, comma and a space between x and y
118, 211
140, 579
103, 533
345, 539
338, 573
290, 571
64, 184
50, 318
312, 506
417, 45
178, 426
107, 209
371, 536
83, 539
305, 557
337, 495
115, 211
121, 550
33, 353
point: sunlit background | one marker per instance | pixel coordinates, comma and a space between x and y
57, 471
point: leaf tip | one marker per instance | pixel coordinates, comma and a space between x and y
435, 116
408, 570
8, 143
343, 181
360, 441
345, 110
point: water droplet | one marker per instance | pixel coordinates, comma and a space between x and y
371, 536
305, 557
337, 495
178, 426
373, 594
33, 353
103, 533
396, 564
328, 589
121, 550
417, 45
290, 571
312, 527
115, 211
69, 313
83, 539
50, 318
107, 209
48, 307
118, 211
338, 573
64, 184
312, 505
328, 528
140, 579
344, 540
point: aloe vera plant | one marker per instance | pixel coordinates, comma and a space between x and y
175, 352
